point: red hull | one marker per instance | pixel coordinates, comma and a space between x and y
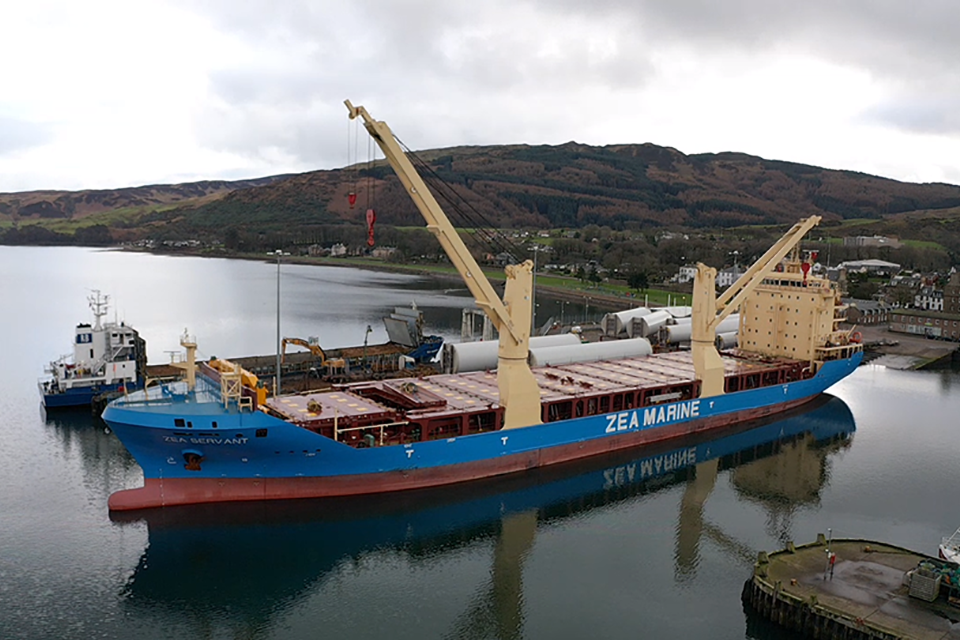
159, 492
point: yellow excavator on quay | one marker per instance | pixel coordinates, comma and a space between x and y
331, 365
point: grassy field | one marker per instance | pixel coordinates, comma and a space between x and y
121, 217
562, 284
924, 244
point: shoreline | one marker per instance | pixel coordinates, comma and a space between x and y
892, 350
599, 299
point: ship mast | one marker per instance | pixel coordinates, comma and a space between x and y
98, 304
709, 310
519, 392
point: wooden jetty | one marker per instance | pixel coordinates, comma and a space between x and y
867, 594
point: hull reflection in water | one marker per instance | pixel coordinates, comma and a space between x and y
251, 559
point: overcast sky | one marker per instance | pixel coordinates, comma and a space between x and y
112, 93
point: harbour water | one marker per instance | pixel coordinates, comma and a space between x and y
655, 543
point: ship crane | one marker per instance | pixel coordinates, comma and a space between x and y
709, 310
519, 392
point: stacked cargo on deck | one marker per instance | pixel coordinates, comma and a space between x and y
668, 327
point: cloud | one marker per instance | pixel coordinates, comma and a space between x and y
886, 36
911, 48
17, 135
482, 73
448, 71
207, 88
933, 116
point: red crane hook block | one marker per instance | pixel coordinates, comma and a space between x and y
371, 218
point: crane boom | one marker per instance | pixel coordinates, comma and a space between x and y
709, 311
731, 299
437, 221
519, 392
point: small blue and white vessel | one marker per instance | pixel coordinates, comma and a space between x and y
108, 357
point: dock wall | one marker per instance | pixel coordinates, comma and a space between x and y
807, 615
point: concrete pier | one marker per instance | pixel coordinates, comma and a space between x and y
866, 596
905, 351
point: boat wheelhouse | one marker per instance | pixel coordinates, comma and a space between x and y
108, 357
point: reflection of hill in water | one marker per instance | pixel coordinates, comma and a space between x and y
206, 560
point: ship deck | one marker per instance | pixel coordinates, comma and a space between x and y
448, 395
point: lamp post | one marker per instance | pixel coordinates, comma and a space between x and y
826, 566
276, 379
533, 290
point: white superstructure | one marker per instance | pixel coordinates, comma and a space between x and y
104, 354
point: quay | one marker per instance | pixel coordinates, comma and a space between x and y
904, 351
876, 591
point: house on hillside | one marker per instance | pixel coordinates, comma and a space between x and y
383, 252
876, 267
951, 294
932, 324
726, 277
908, 279
872, 241
929, 298
685, 274
866, 312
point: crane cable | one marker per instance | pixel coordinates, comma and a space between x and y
474, 218
352, 168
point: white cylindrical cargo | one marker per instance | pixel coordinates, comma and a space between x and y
651, 323
730, 323
679, 312
590, 352
616, 323
727, 340
674, 333
459, 357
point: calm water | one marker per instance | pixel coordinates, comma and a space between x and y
614, 548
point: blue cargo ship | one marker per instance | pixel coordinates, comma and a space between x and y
217, 436
509, 508
350, 441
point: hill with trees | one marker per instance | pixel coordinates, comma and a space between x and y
642, 194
